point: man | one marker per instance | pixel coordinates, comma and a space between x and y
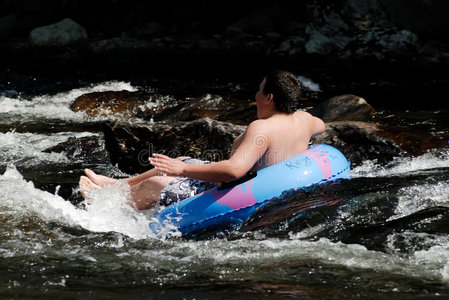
279, 133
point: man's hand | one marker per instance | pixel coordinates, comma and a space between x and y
167, 165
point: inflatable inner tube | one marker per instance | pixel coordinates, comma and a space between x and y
231, 204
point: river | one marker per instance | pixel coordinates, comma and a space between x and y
383, 234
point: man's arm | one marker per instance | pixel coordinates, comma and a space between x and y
318, 126
253, 144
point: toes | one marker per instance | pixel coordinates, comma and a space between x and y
84, 182
89, 172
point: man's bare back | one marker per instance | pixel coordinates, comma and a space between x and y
285, 136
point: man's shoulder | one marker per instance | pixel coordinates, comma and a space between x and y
258, 127
302, 114
259, 124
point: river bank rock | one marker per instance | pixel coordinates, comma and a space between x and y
344, 107
58, 34
338, 34
130, 144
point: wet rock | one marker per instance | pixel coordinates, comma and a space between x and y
413, 142
218, 108
344, 108
107, 103
166, 108
58, 34
89, 149
434, 220
130, 144
359, 141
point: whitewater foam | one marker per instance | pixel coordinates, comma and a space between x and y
307, 82
422, 196
55, 106
108, 212
28, 148
402, 165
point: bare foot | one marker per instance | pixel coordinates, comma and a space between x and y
99, 180
86, 186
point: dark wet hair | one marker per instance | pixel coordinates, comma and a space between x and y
286, 90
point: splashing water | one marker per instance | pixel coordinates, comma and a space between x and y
54, 106
402, 165
108, 209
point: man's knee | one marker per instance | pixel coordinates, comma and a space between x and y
157, 181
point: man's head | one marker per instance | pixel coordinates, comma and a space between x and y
285, 88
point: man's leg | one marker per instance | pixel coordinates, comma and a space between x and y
147, 193
143, 195
102, 180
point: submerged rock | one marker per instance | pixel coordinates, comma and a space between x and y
413, 142
130, 144
89, 149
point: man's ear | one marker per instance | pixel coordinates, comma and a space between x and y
270, 97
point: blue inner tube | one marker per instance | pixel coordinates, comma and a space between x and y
233, 203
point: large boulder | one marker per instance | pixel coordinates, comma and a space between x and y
218, 108
58, 34
130, 144
165, 108
359, 141
107, 103
344, 108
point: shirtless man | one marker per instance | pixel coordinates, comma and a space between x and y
278, 134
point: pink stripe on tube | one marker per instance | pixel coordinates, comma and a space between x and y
236, 198
320, 157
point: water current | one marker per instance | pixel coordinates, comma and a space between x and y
382, 234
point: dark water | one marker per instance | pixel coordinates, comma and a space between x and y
381, 235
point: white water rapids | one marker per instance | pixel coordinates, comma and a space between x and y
222, 260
